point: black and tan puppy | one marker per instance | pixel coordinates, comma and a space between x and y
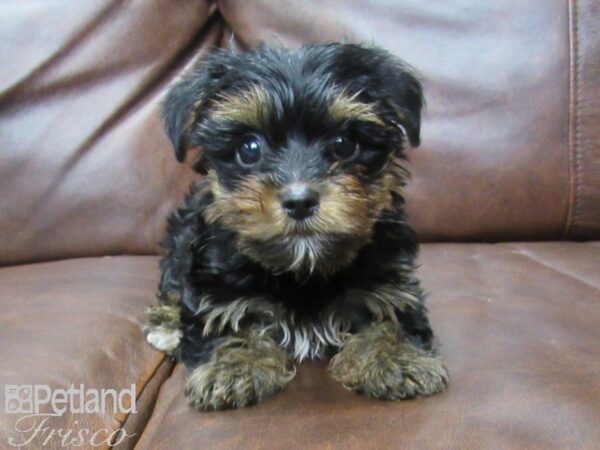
294, 245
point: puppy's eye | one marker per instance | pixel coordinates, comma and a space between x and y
344, 148
249, 151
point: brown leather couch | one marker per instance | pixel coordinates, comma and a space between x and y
505, 182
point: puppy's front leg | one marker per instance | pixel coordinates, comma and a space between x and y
163, 321
243, 369
381, 361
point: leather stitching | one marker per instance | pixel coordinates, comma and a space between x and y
578, 155
574, 129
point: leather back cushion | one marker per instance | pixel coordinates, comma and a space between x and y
511, 146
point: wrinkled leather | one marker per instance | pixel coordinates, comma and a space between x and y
518, 327
85, 167
79, 321
510, 143
511, 151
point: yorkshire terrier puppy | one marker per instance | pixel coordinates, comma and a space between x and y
293, 243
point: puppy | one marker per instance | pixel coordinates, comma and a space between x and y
294, 244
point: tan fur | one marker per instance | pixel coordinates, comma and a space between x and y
165, 315
253, 210
349, 207
380, 362
244, 370
346, 106
250, 107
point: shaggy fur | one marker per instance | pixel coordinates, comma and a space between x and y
382, 362
293, 243
243, 370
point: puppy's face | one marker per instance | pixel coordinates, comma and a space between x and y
302, 149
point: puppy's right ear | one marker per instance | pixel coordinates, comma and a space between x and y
178, 114
182, 108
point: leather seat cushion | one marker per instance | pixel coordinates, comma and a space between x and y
79, 322
518, 327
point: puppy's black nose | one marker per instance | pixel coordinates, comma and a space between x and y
299, 201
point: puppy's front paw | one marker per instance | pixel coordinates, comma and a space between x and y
379, 363
162, 328
241, 372
164, 339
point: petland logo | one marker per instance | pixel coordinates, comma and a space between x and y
38, 403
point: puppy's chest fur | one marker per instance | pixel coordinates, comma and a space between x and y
310, 316
304, 317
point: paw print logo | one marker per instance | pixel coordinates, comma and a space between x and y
18, 399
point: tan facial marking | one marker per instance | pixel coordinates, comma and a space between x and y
344, 207
346, 106
252, 209
347, 205
249, 107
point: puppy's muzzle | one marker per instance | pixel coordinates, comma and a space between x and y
299, 201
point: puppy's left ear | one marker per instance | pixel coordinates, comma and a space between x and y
406, 94
385, 79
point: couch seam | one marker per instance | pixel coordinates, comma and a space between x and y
530, 257
578, 153
574, 133
140, 392
152, 414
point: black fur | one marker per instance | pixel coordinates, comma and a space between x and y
204, 259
